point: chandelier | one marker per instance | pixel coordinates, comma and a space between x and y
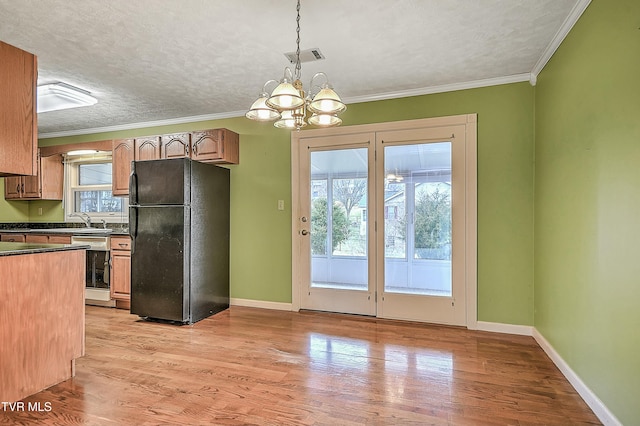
288, 104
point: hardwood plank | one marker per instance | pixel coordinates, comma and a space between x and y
262, 367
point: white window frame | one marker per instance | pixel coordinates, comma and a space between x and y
71, 171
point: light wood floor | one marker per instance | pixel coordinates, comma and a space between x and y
261, 367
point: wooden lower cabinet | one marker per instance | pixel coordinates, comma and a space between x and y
13, 238
121, 270
37, 239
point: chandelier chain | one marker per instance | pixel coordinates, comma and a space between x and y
298, 67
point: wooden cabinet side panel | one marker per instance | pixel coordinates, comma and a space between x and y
41, 320
122, 156
18, 118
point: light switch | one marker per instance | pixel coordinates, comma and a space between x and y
280, 204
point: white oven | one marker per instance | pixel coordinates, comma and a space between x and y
97, 291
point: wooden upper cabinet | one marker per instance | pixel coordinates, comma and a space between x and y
46, 185
175, 146
13, 187
122, 156
215, 146
207, 146
18, 117
147, 148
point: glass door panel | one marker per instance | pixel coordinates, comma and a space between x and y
339, 235
417, 219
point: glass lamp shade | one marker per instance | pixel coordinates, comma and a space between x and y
325, 120
285, 97
260, 111
327, 101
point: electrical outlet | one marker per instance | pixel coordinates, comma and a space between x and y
280, 204
39, 211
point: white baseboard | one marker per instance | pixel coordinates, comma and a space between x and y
278, 306
598, 407
496, 327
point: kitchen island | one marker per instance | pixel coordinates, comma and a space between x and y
41, 316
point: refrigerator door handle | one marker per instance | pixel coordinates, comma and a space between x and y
133, 186
133, 227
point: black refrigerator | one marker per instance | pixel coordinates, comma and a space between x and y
179, 227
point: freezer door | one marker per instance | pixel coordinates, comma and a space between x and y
160, 182
160, 262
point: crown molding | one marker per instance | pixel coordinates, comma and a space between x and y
558, 38
496, 81
141, 125
516, 78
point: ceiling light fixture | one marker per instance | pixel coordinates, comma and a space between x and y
57, 96
287, 105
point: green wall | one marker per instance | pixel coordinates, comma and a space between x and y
587, 199
260, 234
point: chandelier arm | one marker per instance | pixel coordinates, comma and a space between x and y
264, 88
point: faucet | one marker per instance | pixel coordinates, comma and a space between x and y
85, 218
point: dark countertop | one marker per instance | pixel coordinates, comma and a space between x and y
10, 249
98, 232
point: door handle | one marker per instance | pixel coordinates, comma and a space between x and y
305, 232
133, 184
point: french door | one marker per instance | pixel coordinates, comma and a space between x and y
382, 220
337, 188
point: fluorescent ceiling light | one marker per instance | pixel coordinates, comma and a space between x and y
83, 152
56, 96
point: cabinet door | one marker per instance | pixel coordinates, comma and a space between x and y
59, 239
18, 118
37, 239
147, 149
31, 186
120, 275
215, 146
175, 146
12, 238
51, 171
206, 145
12, 187
121, 166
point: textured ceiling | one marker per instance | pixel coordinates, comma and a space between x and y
149, 60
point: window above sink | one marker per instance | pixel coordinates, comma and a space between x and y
88, 186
